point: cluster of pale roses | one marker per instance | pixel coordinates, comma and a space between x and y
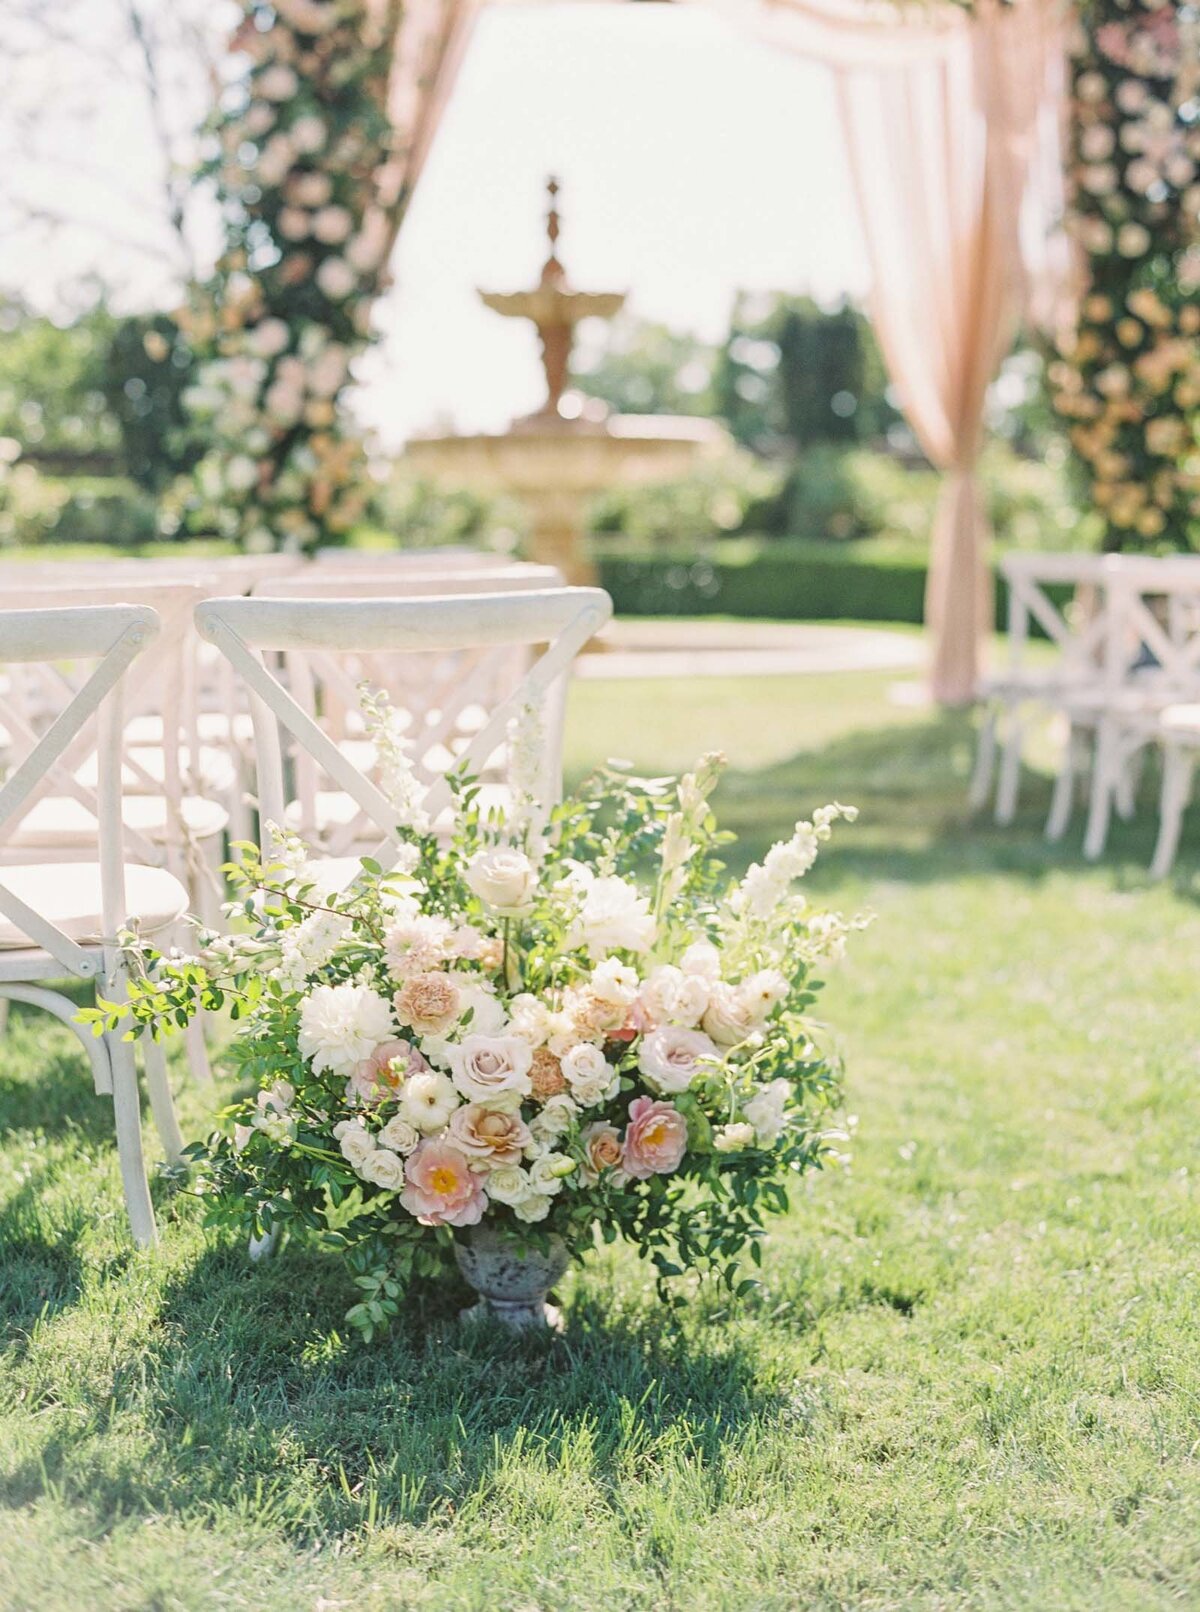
459, 1097
289, 468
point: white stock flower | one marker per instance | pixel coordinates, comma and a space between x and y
427, 1101
765, 1111
703, 960
504, 879
306, 948
589, 1074
399, 1135
383, 1169
536, 1206
612, 916
510, 1184
767, 883
670, 1058
734, 1138
486, 1067
670, 996
342, 1024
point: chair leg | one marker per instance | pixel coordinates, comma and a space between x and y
1176, 787
1105, 767
1064, 790
128, 1117
985, 762
162, 1104
1010, 770
1129, 780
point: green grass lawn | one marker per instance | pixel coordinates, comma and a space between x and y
970, 1380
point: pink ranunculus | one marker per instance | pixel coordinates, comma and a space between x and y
655, 1139
440, 1189
381, 1076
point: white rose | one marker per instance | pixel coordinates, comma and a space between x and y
727, 1018
399, 1135
510, 1184
554, 1118
590, 1076
427, 1101
702, 959
670, 1057
670, 996
503, 879
733, 1138
612, 916
486, 1067
547, 1173
535, 1207
356, 1144
383, 1169
765, 1111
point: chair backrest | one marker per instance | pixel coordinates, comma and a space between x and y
162, 684
414, 581
1155, 611
1079, 629
563, 619
112, 636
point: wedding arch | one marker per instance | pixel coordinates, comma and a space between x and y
952, 117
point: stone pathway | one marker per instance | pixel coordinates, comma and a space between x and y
667, 647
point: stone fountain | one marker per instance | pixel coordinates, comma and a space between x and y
572, 448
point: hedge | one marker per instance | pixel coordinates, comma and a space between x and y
776, 580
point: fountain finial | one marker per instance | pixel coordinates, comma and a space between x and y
555, 309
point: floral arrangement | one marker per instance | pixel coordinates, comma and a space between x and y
309, 196
1128, 379
577, 1029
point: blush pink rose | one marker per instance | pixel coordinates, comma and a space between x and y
655, 1139
381, 1076
440, 1189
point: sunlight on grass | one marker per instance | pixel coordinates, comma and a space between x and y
970, 1380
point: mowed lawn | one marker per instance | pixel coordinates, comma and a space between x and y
971, 1378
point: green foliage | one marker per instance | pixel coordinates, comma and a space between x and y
720, 497
147, 368
791, 374
648, 368
415, 512
53, 384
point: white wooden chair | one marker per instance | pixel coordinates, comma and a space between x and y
1077, 635
1178, 736
63, 920
445, 560
442, 697
563, 619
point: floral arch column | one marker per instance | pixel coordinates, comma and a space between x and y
316, 147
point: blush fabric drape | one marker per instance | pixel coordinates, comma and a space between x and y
951, 123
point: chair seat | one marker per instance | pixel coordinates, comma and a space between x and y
336, 810
61, 821
216, 774
1181, 722
212, 727
67, 894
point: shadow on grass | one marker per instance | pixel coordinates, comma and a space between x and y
910, 784
249, 1398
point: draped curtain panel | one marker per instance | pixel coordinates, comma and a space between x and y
429, 39
951, 122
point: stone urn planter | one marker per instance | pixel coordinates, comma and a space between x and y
512, 1281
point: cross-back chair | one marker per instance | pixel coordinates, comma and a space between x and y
249, 630
64, 920
442, 697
